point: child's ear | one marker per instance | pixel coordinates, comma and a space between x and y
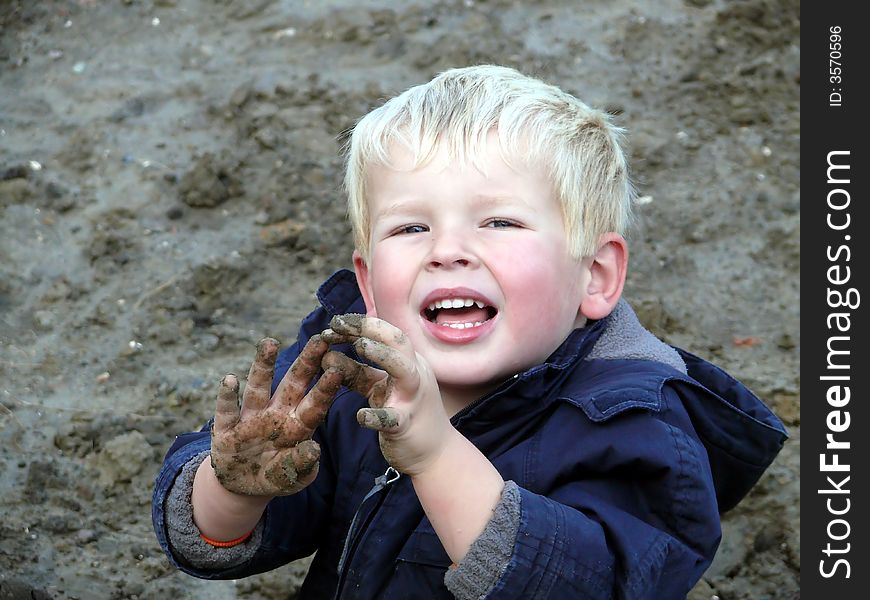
607, 277
363, 279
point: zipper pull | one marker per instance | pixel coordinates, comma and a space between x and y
390, 476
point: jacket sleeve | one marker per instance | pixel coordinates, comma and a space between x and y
185, 538
291, 524
633, 517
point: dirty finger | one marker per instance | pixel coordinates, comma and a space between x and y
294, 468
358, 377
332, 337
387, 420
353, 324
226, 413
390, 359
292, 387
259, 385
316, 403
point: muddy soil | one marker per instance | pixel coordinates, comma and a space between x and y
169, 194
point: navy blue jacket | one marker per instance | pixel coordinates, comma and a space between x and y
624, 466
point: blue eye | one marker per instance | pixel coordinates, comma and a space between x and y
500, 223
412, 229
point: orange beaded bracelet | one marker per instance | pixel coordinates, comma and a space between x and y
228, 544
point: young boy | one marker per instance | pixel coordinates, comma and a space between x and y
501, 425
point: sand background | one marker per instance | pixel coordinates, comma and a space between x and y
169, 193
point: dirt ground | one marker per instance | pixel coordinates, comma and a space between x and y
169, 193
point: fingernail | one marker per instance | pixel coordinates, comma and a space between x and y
377, 418
347, 323
230, 380
309, 454
267, 346
364, 419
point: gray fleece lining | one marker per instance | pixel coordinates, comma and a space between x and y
625, 337
184, 540
490, 554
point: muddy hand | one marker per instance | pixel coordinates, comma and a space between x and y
405, 404
262, 446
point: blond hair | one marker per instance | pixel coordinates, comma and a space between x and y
536, 123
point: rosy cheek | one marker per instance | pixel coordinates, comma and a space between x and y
540, 289
390, 298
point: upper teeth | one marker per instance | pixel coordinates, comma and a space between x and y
455, 303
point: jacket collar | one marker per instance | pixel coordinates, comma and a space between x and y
625, 338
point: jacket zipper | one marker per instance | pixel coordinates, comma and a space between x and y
389, 477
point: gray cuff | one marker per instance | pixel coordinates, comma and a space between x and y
184, 540
490, 553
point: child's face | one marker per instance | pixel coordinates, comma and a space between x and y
448, 233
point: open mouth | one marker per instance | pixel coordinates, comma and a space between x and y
459, 313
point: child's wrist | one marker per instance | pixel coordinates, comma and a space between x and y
219, 513
444, 454
206, 471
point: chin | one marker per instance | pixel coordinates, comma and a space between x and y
467, 378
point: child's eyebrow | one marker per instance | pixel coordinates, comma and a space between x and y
402, 208
486, 201
416, 205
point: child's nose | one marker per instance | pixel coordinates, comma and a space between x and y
460, 262
449, 251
